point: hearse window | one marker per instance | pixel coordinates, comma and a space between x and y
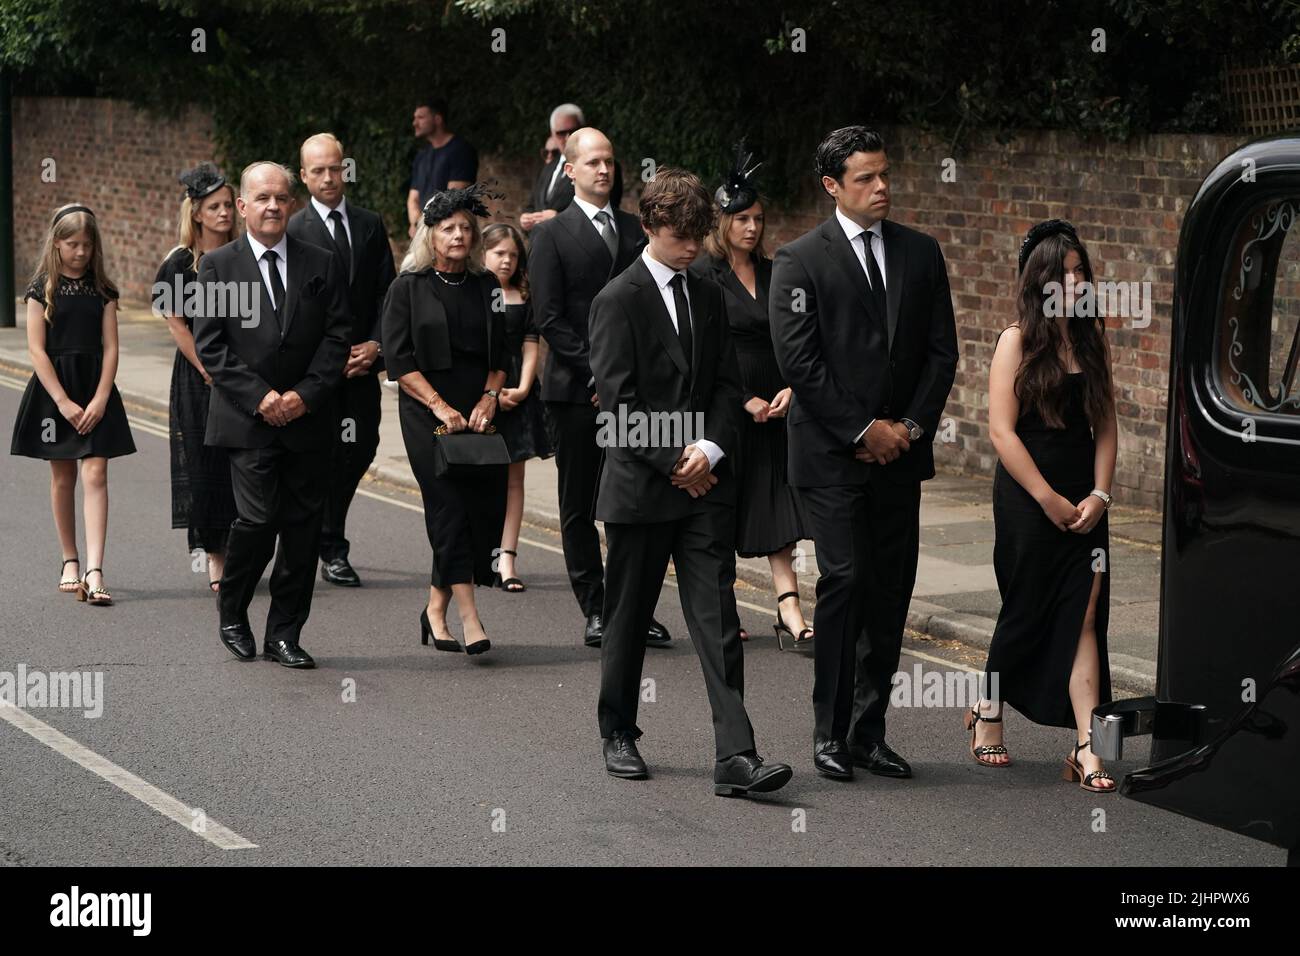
1258, 345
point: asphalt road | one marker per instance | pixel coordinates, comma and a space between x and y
446, 759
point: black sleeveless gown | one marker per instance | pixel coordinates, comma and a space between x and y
1044, 574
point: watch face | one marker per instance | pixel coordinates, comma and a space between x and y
914, 432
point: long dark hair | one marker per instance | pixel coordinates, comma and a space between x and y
1040, 380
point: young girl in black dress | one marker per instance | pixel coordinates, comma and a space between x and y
1052, 422
521, 419
71, 411
202, 499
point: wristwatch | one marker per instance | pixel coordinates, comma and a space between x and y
914, 431
493, 392
1106, 499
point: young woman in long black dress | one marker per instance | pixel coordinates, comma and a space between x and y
443, 344
71, 411
769, 519
202, 499
521, 420
1052, 422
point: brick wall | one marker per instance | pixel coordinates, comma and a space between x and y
1126, 199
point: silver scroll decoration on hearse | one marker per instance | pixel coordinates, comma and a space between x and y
1282, 216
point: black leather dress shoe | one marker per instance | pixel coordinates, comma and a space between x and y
879, 759
831, 758
288, 654
239, 640
743, 774
658, 635
622, 759
339, 572
594, 632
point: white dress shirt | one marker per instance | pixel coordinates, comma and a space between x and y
324, 211
555, 174
590, 211
663, 275
852, 230
282, 264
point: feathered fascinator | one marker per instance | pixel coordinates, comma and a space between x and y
738, 190
201, 180
1052, 227
443, 204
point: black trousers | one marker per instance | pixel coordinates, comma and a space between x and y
577, 464
356, 440
702, 552
278, 493
866, 537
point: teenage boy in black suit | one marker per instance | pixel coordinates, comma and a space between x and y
663, 361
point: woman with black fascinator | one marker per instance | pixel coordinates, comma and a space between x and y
1052, 422
202, 500
444, 344
769, 521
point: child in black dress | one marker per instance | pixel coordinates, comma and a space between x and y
71, 411
521, 419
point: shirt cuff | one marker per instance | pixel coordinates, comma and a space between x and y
592, 383
711, 452
864, 431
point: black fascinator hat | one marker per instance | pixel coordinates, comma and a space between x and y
443, 204
738, 190
1052, 227
202, 180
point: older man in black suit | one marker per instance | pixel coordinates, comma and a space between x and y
571, 258
663, 360
274, 369
863, 328
365, 260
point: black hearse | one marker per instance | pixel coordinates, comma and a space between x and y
1225, 721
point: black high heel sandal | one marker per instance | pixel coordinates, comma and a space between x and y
70, 585
426, 632
801, 639
506, 584
97, 596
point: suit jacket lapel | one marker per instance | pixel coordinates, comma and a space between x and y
584, 232
841, 252
894, 264
699, 319
661, 321
253, 270
293, 273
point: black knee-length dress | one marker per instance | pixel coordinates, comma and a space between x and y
464, 514
1045, 575
74, 341
202, 500
769, 517
524, 426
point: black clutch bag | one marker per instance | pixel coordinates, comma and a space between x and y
455, 454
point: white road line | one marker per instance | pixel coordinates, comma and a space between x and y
216, 834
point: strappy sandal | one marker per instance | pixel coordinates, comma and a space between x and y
1074, 771
511, 585
70, 585
987, 750
97, 596
802, 639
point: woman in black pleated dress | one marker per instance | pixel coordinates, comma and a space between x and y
443, 343
522, 419
769, 519
71, 414
1052, 422
202, 500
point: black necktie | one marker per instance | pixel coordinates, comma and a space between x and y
873, 272
683, 306
277, 284
341, 240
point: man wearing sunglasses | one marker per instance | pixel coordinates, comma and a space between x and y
553, 190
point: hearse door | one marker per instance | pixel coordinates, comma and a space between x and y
1226, 719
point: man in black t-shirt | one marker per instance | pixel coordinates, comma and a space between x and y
446, 161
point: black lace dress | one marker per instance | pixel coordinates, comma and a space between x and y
74, 341
202, 500
1044, 574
